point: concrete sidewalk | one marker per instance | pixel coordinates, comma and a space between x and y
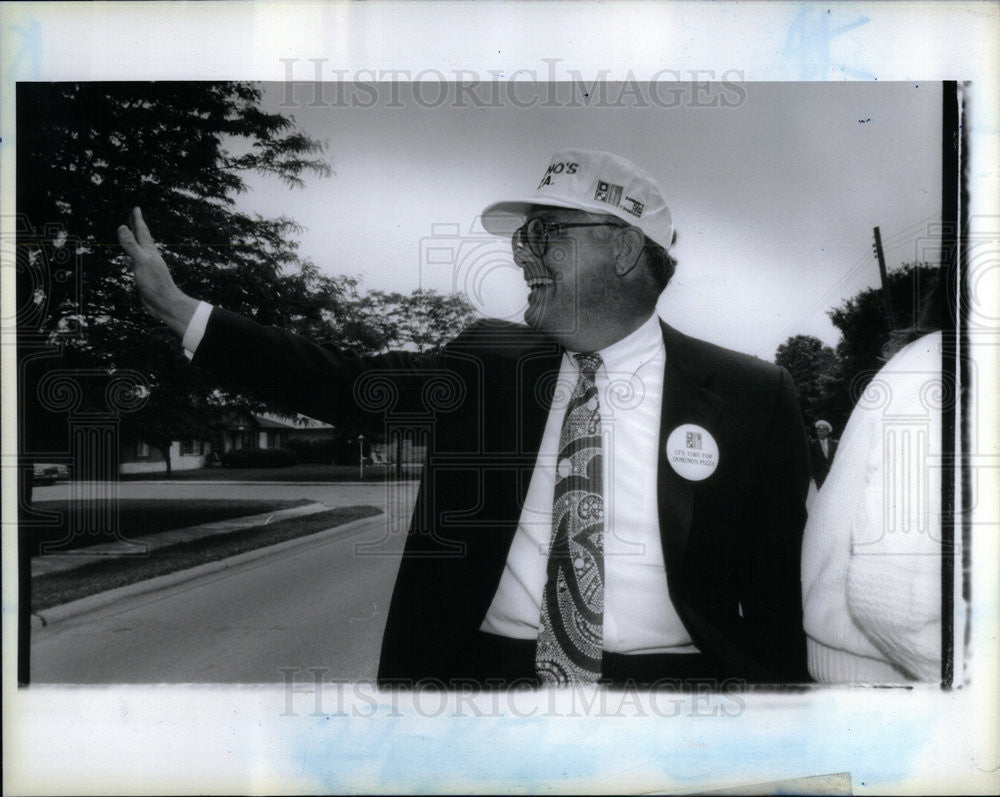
69, 560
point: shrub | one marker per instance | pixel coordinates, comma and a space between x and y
258, 458
314, 451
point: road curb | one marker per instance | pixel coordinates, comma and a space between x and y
62, 562
97, 601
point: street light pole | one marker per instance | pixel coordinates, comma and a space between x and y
361, 457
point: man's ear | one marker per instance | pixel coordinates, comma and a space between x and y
630, 245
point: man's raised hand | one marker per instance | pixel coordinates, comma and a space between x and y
160, 295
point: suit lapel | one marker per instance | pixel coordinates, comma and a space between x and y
519, 418
538, 372
685, 401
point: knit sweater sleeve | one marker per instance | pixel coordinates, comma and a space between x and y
894, 570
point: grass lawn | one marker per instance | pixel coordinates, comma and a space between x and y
138, 518
53, 589
292, 473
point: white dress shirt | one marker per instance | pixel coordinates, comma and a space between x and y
196, 329
638, 614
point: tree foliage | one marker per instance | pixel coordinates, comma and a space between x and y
814, 368
88, 152
830, 381
94, 150
377, 321
865, 328
430, 319
422, 321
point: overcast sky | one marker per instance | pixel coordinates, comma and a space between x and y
774, 189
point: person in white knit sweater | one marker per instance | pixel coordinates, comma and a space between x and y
871, 556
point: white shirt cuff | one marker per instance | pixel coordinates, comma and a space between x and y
196, 329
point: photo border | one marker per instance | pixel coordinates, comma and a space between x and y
400, 744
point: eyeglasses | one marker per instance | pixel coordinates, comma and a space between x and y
535, 233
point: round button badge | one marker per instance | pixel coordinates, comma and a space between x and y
692, 452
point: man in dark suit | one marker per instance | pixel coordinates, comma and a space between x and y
604, 498
821, 452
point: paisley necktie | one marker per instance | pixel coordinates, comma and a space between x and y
572, 617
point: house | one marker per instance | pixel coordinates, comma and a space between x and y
312, 441
236, 431
137, 456
248, 430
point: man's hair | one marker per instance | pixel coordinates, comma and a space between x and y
660, 263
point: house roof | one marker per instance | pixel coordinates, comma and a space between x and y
270, 421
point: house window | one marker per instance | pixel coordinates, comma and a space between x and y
189, 447
141, 449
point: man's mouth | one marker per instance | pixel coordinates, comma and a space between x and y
538, 282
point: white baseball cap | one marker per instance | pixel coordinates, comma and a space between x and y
821, 424
595, 182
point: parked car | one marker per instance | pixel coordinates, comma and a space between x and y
45, 473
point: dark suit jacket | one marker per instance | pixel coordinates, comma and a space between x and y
731, 542
820, 462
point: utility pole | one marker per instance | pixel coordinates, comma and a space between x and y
886, 296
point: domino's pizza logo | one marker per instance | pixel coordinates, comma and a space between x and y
608, 192
692, 452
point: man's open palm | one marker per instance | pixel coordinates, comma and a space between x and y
160, 295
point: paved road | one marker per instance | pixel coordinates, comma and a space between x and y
320, 603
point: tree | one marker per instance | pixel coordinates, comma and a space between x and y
89, 152
430, 319
829, 382
814, 368
363, 322
86, 154
865, 330
377, 321
423, 321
